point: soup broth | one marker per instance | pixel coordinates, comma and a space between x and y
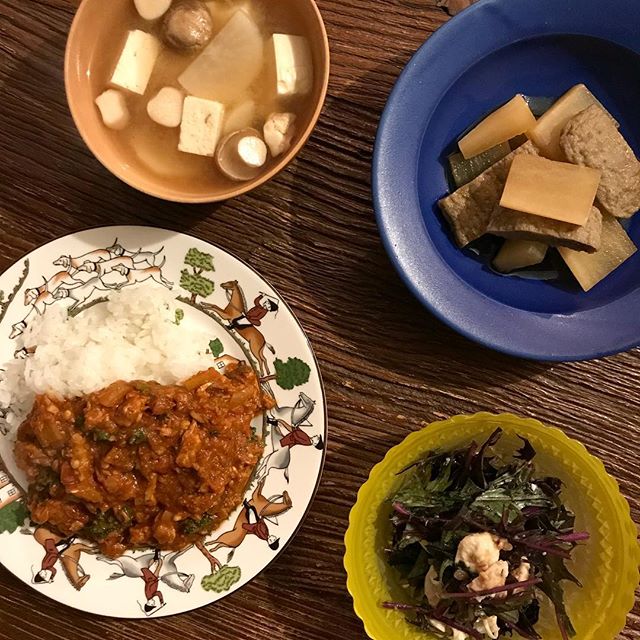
156, 147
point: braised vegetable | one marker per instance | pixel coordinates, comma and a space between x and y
517, 254
546, 133
505, 123
464, 171
591, 268
550, 189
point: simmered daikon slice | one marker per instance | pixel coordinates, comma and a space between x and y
615, 248
518, 254
229, 64
505, 123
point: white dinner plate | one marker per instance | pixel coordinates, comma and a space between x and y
208, 284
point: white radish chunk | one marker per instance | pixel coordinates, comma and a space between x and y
113, 109
136, 62
279, 130
242, 116
229, 64
241, 155
166, 107
152, 9
201, 126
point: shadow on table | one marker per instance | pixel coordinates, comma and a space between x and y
366, 304
53, 169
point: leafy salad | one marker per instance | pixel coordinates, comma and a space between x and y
478, 541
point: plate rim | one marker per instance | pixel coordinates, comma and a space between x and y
325, 417
387, 191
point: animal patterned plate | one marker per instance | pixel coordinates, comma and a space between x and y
246, 320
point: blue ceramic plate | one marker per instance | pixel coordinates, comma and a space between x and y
473, 64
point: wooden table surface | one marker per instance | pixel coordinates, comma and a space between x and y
389, 366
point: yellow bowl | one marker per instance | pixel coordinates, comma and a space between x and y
607, 564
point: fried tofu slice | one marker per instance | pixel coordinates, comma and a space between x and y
511, 224
468, 210
591, 139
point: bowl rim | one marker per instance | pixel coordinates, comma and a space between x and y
242, 188
485, 28
628, 529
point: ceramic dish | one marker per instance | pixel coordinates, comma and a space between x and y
116, 587
607, 564
478, 60
85, 71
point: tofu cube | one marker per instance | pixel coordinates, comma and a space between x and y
201, 126
166, 107
113, 109
136, 62
293, 64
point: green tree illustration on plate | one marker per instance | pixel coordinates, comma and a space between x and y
222, 579
12, 516
216, 347
292, 373
193, 281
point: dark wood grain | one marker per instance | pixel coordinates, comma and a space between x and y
389, 366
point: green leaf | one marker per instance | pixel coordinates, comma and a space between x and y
552, 588
508, 494
445, 565
137, 437
222, 580
420, 567
292, 373
179, 316
216, 347
101, 526
433, 496
99, 435
191, 526
12, 516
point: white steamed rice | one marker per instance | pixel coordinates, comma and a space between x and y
133, 336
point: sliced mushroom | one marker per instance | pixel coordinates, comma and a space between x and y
188, 26
241, 155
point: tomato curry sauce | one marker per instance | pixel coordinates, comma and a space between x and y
140, 464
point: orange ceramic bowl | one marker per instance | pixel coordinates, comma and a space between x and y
86, 76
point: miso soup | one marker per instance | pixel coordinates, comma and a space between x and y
208, 94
